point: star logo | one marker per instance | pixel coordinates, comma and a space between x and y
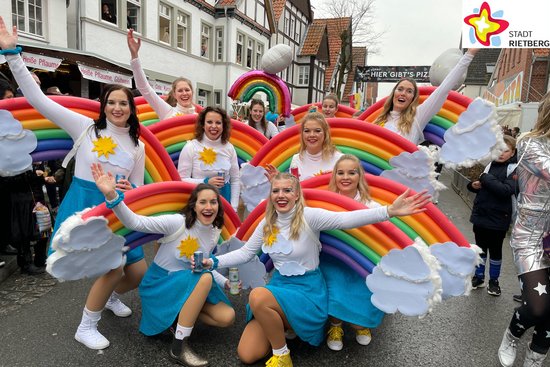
104, 146
541, 288
484, 25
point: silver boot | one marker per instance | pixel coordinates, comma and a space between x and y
532, 358
508, 349
187, 357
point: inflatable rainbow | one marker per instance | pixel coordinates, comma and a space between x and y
256, 81
55, 143
372, 144
173, 133
146, 115
446, 117
343, 111
156, 199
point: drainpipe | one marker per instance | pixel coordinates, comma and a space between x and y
530, 76
78, 26
227, 40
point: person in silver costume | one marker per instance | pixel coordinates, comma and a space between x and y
531, 226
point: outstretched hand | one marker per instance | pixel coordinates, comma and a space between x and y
408, 205
105, 182
7, 41
270, 171
134, 44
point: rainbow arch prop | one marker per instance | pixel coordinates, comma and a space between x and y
55, 143
432, 226
146, 115
372, 144
252, 82
157, 199
173, 133
447, 116
343, 111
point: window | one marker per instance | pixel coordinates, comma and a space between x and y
303, 75
287, 23
182, 26
165, 14
259, 54
218, 98
202, 97
205, 40
292, 28
219, 44
133, 15
240, 42
28, 16
109, 11
249, 53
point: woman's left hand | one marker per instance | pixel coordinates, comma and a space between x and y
7, 41
105, 182
408, 205
123, 185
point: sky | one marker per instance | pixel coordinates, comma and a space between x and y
416, 32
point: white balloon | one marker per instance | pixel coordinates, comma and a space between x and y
276, 59
443, 65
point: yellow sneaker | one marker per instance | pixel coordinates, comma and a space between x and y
363, 336
279, 361
334, 338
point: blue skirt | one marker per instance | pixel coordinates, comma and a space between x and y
163, 294
303, 299
84, 194
349, 298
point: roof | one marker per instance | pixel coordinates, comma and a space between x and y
359, 55
477, 71
226, 3
278, 8
541, 52
335, 26
313, 39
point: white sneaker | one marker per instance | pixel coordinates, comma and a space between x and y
508, 349
532, 358
120, 309
91, 338
363, 336
335, 337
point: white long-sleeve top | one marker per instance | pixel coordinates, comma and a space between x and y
128, 159
302, 253
310, 165
431, 105
192, 168
271, 129
159, 105
199, 237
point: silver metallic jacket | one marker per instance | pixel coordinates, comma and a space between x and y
533, 218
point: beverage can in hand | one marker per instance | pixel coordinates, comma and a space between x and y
119, 177
234, 281
198, 257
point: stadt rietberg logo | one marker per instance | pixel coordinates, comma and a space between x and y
486, 25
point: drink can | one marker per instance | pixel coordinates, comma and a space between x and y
119, 177
234, 280
198, 256
221, 174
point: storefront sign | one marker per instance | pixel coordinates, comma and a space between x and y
160, 87
104, 76
40, 61
392, 73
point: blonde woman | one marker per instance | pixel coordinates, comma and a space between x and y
296, 297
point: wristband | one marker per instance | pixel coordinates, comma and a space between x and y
215, 262
110, 204
12, 51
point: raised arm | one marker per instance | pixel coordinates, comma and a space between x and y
160, 106
72, 122
434, 102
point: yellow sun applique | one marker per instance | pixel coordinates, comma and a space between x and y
208, 156
272, 237
188, 246
320, 173
104, 146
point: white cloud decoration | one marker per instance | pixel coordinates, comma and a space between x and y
254, 185
84, 249
252, 274
16, 145
415, 170
443, 65
476, 137
413, 280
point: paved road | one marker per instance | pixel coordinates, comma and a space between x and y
38, 318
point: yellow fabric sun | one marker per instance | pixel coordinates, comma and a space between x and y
104, 146
187, 246
208, 156
272, 237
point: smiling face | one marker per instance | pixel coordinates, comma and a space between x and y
313, 136
283, 195
183, 94
403, 95
213, 125
329, 108
347, 178
117, 109
206, 207
257, 112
